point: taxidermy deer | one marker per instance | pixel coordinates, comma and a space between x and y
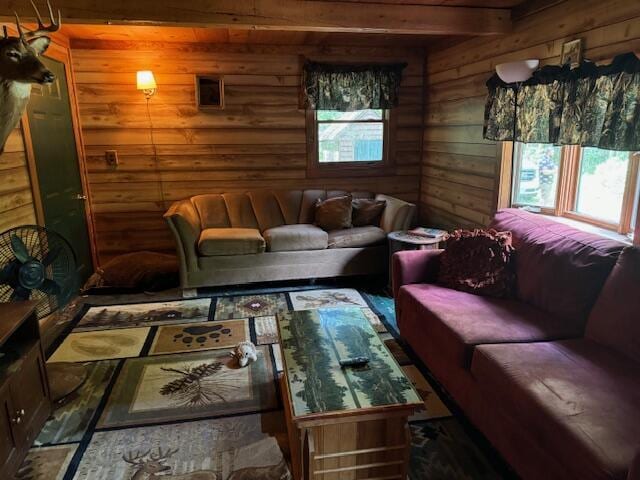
20, 67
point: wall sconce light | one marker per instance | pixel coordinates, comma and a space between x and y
146, 82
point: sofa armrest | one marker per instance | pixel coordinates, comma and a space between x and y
397, 214
184, 222
414, 266
634, 468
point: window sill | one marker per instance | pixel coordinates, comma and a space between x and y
587, 227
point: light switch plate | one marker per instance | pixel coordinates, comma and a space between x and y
111, 156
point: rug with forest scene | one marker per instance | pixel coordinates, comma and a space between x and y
164, 399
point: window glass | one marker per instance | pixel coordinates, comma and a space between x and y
536, 174
350, 136
601, 183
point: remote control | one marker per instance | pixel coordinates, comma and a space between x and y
354, 362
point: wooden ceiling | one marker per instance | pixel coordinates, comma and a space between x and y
78, 34
399, 23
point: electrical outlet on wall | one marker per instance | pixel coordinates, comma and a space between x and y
111, 156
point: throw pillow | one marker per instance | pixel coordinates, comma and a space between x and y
334, 213
367, 212
478, 261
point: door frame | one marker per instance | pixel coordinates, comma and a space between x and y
59, 50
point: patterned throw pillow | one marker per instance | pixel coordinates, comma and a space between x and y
367, 211
333, 213
478, 261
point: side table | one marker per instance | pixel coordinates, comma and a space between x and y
403, 240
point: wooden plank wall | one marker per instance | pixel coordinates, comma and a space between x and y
257, 141
460, 169
16, 201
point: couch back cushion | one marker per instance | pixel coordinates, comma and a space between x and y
262, 209
289, 202
615, 318
212, 211
559, 269
308, 205
240, 210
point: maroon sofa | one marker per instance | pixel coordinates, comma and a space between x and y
551, 377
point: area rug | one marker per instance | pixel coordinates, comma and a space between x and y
229, 448
69, 422
192, 337
145, 314
165, 399
169, 388
244, 306
101, 345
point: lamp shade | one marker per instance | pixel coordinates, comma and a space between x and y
146, 80
517, 71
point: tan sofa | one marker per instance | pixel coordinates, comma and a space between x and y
233, 238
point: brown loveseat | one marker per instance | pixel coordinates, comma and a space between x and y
232, 238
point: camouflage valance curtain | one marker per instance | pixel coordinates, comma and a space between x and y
591, 106
351, 87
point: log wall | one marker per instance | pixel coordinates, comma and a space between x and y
460, 170
257, 141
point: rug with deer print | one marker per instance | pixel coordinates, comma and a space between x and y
177, 407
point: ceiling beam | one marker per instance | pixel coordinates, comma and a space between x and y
295, 15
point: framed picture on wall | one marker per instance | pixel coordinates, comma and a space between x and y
571, 53
209, 92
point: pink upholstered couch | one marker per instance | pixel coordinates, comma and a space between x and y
552, 377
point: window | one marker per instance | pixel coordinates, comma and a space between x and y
536, 175
348, 140
587, 184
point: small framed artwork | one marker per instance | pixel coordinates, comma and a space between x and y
209, 92
571, 53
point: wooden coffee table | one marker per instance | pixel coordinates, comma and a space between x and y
346, 423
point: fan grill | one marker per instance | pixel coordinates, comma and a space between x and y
54, 253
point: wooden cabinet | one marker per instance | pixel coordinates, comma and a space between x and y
25, 404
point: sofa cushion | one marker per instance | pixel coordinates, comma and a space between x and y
356, 237
560, 269
334, 213
455, 322
289, 238
289, 202
308, 205
230, 241
212, 210
240, 210
615, 318
576, 397
367, 211
266, 208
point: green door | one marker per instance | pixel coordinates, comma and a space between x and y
56, 159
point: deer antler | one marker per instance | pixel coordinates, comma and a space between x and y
42, 28
162, 455
135, 458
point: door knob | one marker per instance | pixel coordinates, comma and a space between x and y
80, 196
17, 420
21, 412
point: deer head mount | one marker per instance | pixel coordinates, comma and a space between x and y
20, 67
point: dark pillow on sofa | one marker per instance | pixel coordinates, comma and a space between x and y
478, 261
367, 211
334, 213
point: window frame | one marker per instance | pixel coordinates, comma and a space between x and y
567, 189
340, 169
